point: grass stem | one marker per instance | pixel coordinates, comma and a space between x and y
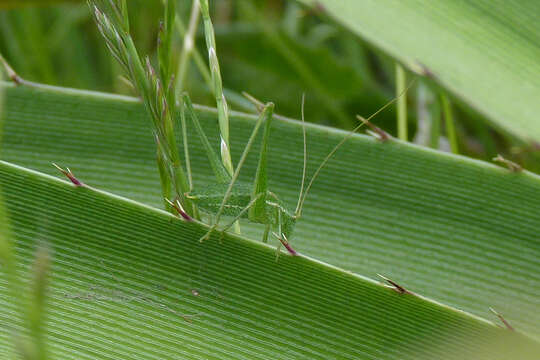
449, 122
183, 65
401, 103
435, 130
188, 49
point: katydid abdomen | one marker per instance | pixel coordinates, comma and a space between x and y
209, 198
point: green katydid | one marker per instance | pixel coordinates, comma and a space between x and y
256, 202
232, 198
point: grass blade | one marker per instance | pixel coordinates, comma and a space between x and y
440, 223
150, 289
457, 42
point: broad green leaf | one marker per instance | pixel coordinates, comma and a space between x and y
457, 230
131, 281
485, 52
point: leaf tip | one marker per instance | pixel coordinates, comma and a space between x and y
69, 175
394, 286
179, 209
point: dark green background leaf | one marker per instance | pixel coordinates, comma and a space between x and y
485, 52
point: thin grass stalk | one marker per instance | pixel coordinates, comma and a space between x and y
449, 123
221, 102
188, 48
197, 57
435, 131
167, 96
183, 129
423, 117
401, 83
166, 139
124, 12
232, 96
165, 42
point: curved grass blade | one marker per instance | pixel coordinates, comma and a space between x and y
148, 288
457, 43
461, 231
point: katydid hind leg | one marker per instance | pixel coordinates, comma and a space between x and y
222, 175
257, 213
266, 113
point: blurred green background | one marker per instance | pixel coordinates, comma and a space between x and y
275, 50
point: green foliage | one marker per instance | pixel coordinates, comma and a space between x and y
440, 224
150, 289
17, 3
444, 227
292, 43
484, 51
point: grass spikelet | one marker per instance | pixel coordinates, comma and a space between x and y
221, 102
156, 88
